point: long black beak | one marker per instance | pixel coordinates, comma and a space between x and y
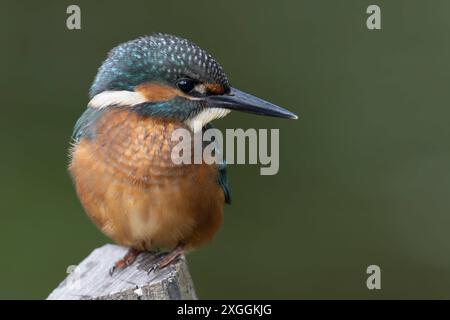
241, 101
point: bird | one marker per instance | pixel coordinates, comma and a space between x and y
120, 154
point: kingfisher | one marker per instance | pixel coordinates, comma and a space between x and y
120, 155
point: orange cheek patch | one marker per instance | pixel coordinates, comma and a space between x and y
157, 93
215, 88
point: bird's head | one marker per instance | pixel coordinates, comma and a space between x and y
169, 77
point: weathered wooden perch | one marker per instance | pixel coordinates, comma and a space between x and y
91, 280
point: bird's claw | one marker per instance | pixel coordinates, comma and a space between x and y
152, 268
125, 262
165, 259
157, 264
111, 270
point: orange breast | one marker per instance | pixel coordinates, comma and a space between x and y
128, 185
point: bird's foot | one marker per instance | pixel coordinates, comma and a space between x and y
126, 261
166, 259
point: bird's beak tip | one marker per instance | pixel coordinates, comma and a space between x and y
293, 117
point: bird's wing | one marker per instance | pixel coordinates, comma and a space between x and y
223, 182
83, 126
222, 167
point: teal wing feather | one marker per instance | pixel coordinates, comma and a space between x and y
222, 167
85, 125
223, 182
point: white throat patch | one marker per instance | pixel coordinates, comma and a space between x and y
116, 98
205, 116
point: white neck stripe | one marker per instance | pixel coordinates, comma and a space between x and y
116, 98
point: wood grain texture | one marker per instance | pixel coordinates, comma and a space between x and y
90, 280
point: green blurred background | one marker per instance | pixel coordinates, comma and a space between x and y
364, 173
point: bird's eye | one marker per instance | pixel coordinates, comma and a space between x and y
186, 85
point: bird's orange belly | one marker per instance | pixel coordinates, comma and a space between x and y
143, 205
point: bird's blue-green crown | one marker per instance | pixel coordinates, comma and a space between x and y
158, 57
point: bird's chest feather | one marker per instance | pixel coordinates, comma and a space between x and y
132, 190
